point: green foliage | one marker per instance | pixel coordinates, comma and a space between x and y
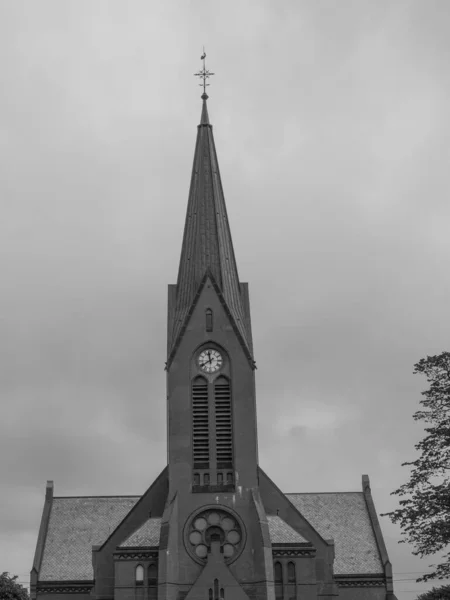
442, 593
10, 589
424, 513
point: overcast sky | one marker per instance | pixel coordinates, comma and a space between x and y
331, 122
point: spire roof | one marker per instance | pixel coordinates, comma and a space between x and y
207, 248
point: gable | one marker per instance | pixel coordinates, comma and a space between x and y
208, 291
75, 525
343, 516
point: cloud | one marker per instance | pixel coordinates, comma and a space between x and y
332, 134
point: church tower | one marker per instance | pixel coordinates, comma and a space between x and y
213, 525
213, 504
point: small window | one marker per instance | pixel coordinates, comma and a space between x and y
209, 319
229, 477
206, 479
139, 575
222, 593
219, 478
196, 478
291, 572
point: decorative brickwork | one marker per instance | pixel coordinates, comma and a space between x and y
64, 589
279, 552
360, 583
135, 555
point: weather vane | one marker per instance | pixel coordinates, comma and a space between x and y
204, 73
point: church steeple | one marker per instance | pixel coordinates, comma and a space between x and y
207, 249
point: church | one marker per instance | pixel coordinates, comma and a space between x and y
213, 525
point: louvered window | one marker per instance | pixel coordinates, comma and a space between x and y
200, 423
224, 424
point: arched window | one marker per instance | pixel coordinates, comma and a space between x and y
139, 575
200, 423
216, 589
278, 577
209, 319
291, 572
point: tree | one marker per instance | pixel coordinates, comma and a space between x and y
441, 593
10, 589
424, 513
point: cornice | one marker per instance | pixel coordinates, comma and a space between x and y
278, 551
136, 554
360, 583
65, 587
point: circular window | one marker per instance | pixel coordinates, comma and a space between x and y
214, 525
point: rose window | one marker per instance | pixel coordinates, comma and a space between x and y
214, 525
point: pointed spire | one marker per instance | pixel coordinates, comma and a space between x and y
207, 248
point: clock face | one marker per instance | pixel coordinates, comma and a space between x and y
210, 360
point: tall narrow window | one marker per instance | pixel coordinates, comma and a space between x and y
153, 582
200, 423
278, 576
209, 319
291, 572
291, 581
152, 574
224, 423
139, 575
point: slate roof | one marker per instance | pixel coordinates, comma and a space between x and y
282, 533
343, 516
146, 535
75, 525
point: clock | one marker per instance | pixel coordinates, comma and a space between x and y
210, 360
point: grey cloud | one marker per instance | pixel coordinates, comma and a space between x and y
332, 132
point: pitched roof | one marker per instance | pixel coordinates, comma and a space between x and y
207, 244
343, 516
146, 535
282, 533
75, 525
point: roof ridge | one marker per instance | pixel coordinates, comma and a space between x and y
315, 493
98, 496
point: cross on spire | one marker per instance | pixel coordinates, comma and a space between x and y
204, 73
